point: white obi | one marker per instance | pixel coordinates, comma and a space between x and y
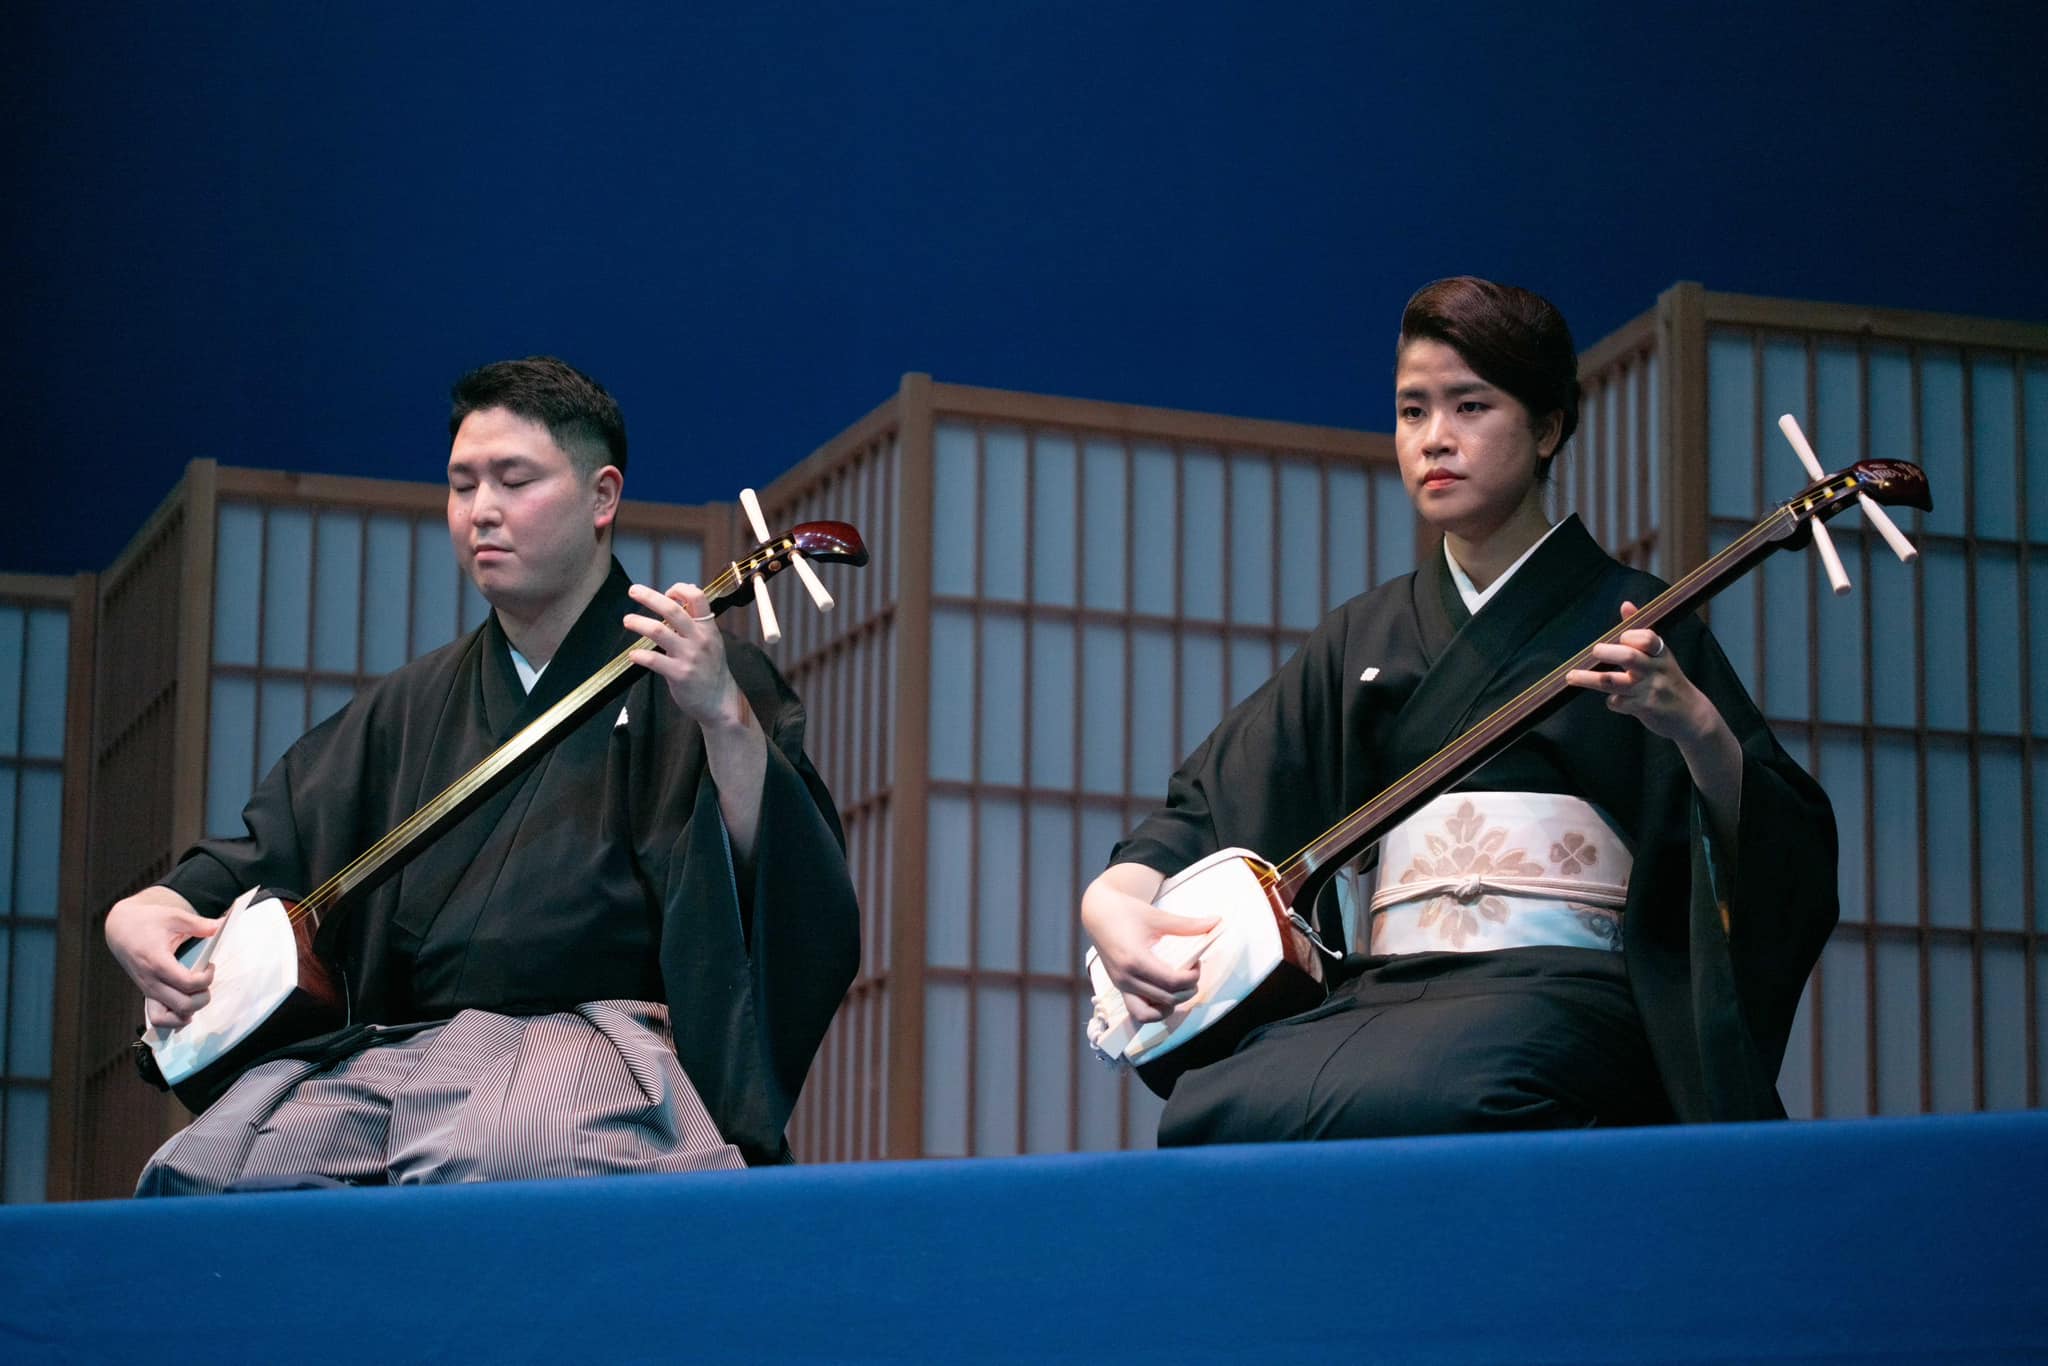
1500, 870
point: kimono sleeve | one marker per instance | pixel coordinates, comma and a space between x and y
1771, 900
323, 768
755, 963
1266, 778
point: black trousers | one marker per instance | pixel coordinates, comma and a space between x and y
1436, 1043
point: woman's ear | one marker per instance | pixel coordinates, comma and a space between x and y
1549, 435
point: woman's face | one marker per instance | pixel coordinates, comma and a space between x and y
1468, 454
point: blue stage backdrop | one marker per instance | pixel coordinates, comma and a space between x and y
272, 234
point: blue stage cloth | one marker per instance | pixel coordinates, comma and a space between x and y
1848, 1240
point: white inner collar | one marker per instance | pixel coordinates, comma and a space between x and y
528, 675
1474, 598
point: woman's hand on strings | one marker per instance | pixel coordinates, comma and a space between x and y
144, 932
689, 654
1118, 913
1646, 682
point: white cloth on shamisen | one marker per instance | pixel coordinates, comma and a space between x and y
1472, 871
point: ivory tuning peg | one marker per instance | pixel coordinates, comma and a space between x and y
771, 630
751, 504
1838, 577
810, 578
1872, 513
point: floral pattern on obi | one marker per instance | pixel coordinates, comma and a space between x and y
1573, 854
1492, 870
1467, 849
1600, 922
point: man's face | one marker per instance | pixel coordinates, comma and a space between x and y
1468, 456
525, 522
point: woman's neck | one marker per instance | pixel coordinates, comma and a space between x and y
1485, 556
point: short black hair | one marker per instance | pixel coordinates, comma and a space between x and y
579, 414
1512, 338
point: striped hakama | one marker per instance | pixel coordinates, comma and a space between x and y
482, 1097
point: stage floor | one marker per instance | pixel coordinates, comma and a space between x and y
1904, 1240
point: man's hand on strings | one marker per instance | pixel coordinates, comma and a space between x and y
144, 932
689, 654
1118, 913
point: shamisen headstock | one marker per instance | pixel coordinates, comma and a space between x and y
1894, 483
836, 542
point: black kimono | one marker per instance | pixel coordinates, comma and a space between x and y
602, 873
1717, 943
